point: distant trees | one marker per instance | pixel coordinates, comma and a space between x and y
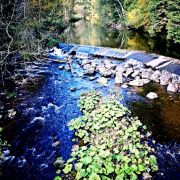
155, 16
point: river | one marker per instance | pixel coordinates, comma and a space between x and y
87, 33
43, 113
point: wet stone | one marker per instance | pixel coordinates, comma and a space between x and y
73, 89
152, 95
103, 81
92, 78
173, 87
56, 144
61, 67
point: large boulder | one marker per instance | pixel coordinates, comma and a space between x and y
128, 72
146, 73
165, 78
108, 64
155, 76
104, 72
120, 68
135, 73
173, 87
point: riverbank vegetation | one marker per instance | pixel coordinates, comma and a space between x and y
32, 25
115, 145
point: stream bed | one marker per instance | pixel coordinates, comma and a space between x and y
40, 134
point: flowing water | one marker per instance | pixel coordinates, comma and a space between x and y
44, 113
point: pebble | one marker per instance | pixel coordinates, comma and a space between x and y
56, 144
92, 78
61, 67
73, 89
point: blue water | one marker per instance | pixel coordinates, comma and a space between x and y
42, 120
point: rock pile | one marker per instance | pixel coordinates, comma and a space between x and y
131, 72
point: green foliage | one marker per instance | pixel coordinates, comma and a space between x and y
155, 17
173, 25
115, 145
88, 101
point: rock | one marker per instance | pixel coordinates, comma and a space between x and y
87, 66
11, 113
124, 86
120, 68
113, 72
92, 78
67, 67
58, 163
128, 72
56, 51
118, 78
173, 87
147, 176
90, 71
56, 144
61, 67
135, 73
93, 65
103, 81
85, 62
108, 65
137, 77
146, 73
104, 72
73, 89
165, 79
139, 82
155, 76
146, 81
152, 95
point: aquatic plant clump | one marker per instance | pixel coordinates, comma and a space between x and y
115, 144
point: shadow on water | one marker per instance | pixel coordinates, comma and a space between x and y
87, 33
161, 115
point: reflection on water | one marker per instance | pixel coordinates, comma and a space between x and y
162, 115
86, 33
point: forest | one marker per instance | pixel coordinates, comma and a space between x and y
20, 18
89, 89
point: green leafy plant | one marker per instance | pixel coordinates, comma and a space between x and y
115, 144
